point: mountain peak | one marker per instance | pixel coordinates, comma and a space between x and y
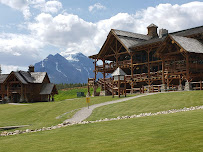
74, 56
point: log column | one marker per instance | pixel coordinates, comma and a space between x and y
163, 86
131, 73
95, 67
187, 83
104, 75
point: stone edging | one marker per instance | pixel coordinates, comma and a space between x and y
65, 124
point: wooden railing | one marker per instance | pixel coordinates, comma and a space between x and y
145, 76
112, 65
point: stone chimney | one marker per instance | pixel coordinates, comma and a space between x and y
162, 33
152, 30
31, 68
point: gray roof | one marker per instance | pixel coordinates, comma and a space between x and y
118, 72
189, 44
188, 32
132, 35
47, 88
129, 42
151, 41
152, 25
130, 39
26, 77
3, 77
38, 76
20, 77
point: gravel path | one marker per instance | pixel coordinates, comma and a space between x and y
84, 113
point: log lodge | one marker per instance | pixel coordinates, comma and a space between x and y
152, 63
26, 86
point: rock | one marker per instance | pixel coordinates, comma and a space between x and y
27, 130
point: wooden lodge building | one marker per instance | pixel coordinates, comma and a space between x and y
26, 86
152, 62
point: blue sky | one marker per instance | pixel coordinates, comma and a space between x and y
30, 30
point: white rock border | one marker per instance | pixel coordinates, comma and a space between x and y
65, 124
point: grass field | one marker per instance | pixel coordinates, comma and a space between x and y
43, 114
152, 103
71, 93
179, 132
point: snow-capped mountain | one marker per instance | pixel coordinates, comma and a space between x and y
73, 68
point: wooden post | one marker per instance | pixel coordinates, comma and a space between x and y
131, 73
112, 87
148, 66
119, 86
125, 86
187, 67
200, 85
142, 89
163, 68
104, 74
180, 81
167, 81
116, 55
95, 67
88, 89
7, 89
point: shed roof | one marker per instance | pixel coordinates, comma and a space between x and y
118, 72
188, 44
47, 89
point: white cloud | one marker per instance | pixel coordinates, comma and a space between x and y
6, 69
21, 5
63, 30
52, 6
96, 6
16, 49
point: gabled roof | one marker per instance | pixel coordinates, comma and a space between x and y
127, 39
47, 89
3, 77
133, 40
188, 44
118, 72
20, 77
26, 77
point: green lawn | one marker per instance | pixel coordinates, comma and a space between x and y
71, 93
43, 114
152, 103
179, 132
